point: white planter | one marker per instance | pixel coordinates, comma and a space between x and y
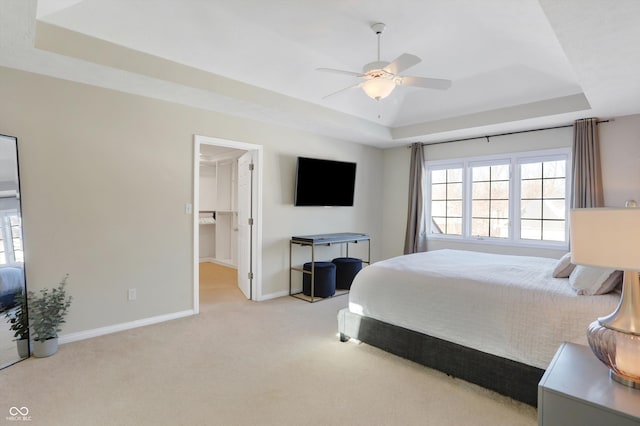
23, 348
46, 348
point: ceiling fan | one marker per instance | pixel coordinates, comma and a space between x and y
380, 77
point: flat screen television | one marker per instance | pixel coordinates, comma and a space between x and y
324, 182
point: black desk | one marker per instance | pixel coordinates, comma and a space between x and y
323, 240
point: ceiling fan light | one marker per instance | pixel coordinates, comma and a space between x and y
378, 88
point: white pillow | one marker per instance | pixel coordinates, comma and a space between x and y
589, 280
564, 267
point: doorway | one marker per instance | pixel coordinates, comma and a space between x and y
241, 218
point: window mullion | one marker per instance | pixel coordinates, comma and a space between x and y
516, 200
542, 197
466, 201
6, 237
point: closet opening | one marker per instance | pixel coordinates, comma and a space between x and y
227, 217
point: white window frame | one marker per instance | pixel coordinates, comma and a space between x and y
447, 165
7, 236
468, 189
515, 160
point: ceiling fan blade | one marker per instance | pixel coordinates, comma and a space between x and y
427, 83
401, 63
355, 74
342, 90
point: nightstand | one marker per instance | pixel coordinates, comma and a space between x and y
576, 390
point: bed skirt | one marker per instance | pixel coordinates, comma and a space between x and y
507, 377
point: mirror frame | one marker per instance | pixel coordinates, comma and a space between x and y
18, 358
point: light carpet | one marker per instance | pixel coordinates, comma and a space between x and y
277, 362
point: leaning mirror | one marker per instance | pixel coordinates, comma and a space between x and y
14, 329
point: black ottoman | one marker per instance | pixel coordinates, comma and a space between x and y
346, 270
324, 279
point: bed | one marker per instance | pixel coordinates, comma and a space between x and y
494, 320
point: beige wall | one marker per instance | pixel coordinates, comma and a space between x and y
548, 139
395, 200
620, 153
105, 178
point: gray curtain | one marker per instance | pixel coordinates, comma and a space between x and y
587, 176
416, 234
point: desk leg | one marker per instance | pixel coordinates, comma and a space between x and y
290, 265
313, 271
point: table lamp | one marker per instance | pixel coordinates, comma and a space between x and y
610, 238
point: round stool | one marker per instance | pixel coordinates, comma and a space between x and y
346, 270
324, 279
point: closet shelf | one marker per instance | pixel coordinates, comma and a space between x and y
207, 217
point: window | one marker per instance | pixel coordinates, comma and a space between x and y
10, 238
543, 200
490, 201
516, 198
446, 201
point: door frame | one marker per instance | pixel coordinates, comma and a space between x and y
256, 286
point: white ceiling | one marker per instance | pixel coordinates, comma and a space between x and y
515, 64
215, 153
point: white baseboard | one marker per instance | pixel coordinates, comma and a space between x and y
224, 262
273, 295
87, 334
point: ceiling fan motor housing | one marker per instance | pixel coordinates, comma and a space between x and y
378, 27
375, 66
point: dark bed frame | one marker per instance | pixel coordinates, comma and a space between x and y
507, 377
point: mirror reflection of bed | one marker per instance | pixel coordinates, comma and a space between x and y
12, 279
11, 282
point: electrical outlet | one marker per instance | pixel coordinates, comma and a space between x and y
132, 294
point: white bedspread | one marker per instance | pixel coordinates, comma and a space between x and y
508, 306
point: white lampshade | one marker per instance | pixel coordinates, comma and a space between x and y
378, 88
606, 237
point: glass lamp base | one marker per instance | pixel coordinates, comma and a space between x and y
623, 380
617, 350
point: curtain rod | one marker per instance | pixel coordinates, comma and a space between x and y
507, 134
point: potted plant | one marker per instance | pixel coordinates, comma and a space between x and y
19, 324
47, 310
